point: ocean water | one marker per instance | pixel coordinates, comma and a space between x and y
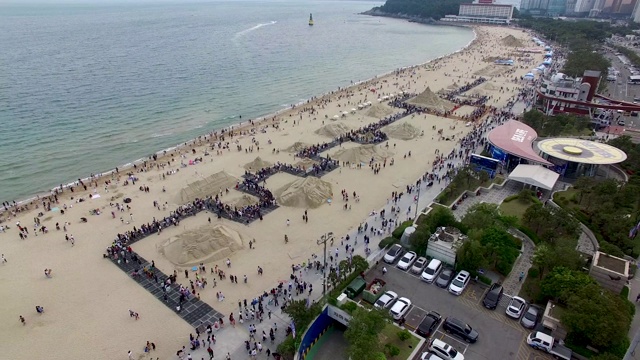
87, 87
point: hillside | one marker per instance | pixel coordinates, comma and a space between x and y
418, 10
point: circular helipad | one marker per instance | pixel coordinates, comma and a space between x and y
582, 151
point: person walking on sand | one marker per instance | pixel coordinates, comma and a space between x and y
22, 320
4, 259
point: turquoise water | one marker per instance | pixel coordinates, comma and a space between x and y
85, 88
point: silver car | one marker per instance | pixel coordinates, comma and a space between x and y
530, 317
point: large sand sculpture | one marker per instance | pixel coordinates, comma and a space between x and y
379, 111
430, 100
512, 41
257, 164
296, 147
362, 154
306, 193
333, 129
404, 131
202, 245
208, 186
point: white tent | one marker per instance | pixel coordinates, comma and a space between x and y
360, 106
353, 110
336, 116
534, 175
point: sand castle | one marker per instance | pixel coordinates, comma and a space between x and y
362, 154
306, 193
379, 111
208, 186
512, 41
430, 100
403, 131
257, 164
333, 129
201, 245
297, 146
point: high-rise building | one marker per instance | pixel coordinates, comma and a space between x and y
584, 6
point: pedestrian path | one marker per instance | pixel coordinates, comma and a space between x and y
192, 310
494, 196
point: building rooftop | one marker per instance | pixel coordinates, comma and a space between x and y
582, 151
611, 263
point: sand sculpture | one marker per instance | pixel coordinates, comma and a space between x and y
379, 111
512, 41
306, 193
202, 245
207, 186
403, 131
430, 100
333, 129
257, 164
362, 154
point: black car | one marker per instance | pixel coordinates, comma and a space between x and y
460, 329
428, 324
493, 296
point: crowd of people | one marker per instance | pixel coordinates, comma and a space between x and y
464, 88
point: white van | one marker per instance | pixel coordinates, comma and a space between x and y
431, 271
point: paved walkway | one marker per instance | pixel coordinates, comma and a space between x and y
494, 196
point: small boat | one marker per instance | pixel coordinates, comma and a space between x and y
310, 19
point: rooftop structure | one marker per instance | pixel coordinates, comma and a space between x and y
582, 151
515, 138
609, 271
444, 243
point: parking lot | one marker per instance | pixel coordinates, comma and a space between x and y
500, 337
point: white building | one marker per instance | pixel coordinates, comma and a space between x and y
483, 13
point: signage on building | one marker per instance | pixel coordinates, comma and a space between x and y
338, 315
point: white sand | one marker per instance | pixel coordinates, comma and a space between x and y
87, 299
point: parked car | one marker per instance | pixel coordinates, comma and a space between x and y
430, 356
419, 265
400, 308
444, 278
460, 282
460, 329
530, 317
407, 260
516, 307
386, 300
393, 254
493, 296
429, 324
444, 350
544, 342
431, 271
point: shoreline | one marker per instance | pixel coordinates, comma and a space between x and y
235, 127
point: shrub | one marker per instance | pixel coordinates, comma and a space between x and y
485, 279
533, 272
625, 292
510, 198
349, 307
397, 233
529, 233
404, 335
391, 350
388, 241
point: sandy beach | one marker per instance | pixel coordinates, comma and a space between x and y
87, 298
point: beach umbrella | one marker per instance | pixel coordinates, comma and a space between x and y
345, 112
392, 95
385, 98
353, 110
379, 99
529, 75
369, 103
360, 106
336, 116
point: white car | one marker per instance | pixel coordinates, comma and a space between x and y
407, 260
430, 356
516, 307
444, 350
419, 265
400, 308
386, 300
460, 282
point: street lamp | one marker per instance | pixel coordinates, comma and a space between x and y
323, 240
415, 217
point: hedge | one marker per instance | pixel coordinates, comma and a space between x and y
397, 233
388, 241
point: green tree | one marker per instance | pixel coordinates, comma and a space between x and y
420, 240
440, 216
470, 256
301, 315
482, 215
362, 334
561, 283
500, 249
596, 317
